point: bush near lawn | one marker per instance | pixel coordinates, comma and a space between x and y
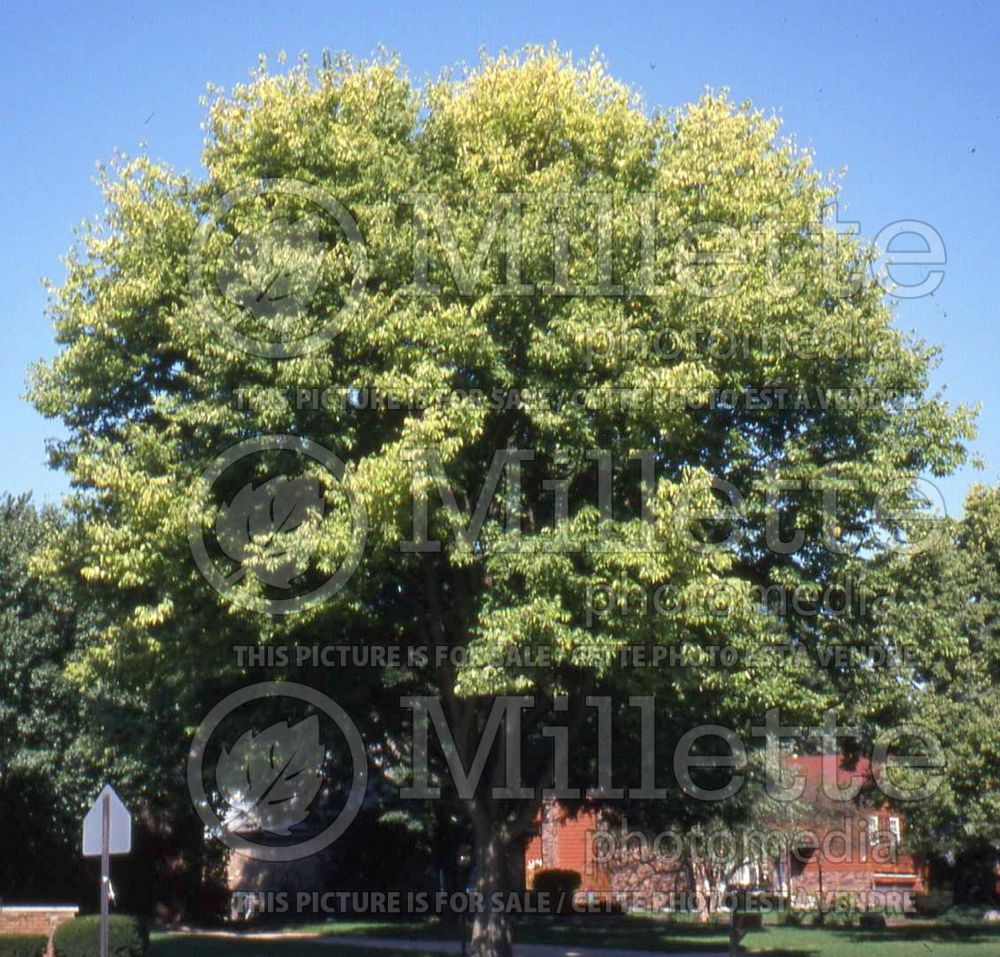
82, 937
23, 945
559, 884
933, 904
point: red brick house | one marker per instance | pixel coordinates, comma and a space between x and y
828, 849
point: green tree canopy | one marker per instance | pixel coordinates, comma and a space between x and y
46, 769
946, 619
529, 229
62, 739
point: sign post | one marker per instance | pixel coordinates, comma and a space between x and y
107, 830
105, 869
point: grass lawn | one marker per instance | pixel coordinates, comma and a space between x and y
929, 941
645, 933
611, 932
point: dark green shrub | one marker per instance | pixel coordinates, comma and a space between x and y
872, 921
835, 920
22, 945
560, 885
791, 918
964, 916
82, 937
933, 904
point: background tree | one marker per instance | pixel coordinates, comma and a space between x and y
62, 739
46, 770
544, 149
945, 621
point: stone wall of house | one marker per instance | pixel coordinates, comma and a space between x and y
846, 862
858, 849
636, 876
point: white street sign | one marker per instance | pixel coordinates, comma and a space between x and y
119, 826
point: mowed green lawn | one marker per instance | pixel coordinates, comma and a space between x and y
653, 934
684, 936
895, 942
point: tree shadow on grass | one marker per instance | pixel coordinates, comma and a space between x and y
194, 945
613, 932
749, 951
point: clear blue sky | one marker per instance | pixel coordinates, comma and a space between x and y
905, 95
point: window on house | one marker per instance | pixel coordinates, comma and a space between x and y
894, 827
873, 829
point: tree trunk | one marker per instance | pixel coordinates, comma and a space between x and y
491, 935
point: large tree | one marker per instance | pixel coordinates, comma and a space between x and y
574, 287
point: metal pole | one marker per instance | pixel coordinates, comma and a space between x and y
105, 870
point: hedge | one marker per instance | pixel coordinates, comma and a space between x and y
23, 945
560, 885
872, 922
82, 937
933, 904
